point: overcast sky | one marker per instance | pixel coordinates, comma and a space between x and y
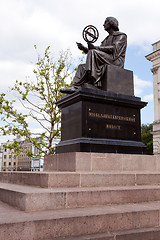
59, 23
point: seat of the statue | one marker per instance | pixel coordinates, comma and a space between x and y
117, 80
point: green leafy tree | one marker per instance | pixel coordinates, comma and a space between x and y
38, 98
147, 137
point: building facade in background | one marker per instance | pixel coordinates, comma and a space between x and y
154, 57
26, 163
12, 162
22, 162
9, 159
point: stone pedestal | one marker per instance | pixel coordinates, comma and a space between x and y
99, 162
154, 57
100, 121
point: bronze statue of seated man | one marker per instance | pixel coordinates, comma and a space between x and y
110, 52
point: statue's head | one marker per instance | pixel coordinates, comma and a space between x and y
113, 23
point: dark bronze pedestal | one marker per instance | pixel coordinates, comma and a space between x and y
100, 121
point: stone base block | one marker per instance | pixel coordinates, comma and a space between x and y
90, 162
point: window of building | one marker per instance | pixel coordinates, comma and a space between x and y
5, 156
9, 163
10, 156
4, 163
5, 149
14, 163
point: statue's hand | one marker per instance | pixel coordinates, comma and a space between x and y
80, 46
91, 46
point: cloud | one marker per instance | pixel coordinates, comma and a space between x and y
140, 85
10, 71
148, 98
60, 23
139, 19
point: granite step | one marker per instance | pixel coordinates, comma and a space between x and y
29, 198
15, 224
81, 179
136, 234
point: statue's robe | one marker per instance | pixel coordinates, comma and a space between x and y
111, 51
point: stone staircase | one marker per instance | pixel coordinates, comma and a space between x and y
94, 196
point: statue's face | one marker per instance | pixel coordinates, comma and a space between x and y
106, 24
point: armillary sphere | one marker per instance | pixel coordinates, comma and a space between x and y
90, 34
